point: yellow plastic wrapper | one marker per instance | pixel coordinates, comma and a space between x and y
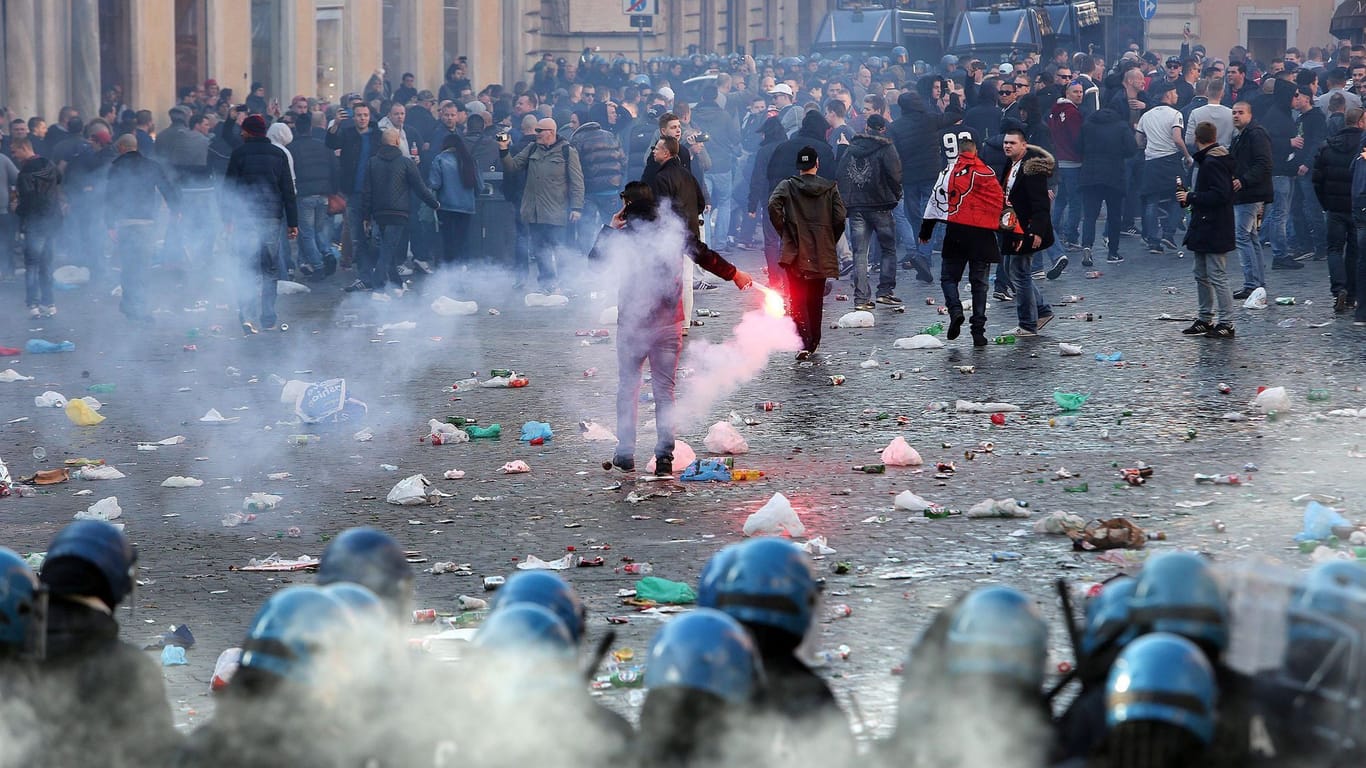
81, 414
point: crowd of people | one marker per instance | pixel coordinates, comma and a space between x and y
391, 182
325, 677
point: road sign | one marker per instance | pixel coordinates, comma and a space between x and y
640, 7
641, 21
1105, 7
1147, 9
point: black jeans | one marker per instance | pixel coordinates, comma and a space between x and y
804, 302
1342, 251
951, 274
455, 228
1114, 216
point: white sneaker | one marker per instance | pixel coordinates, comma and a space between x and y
404, 270
49, 310
35, 312
1019, 332
422, 265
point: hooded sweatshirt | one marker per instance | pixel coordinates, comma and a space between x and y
1334, 177
39, 189
811, 134
869, 174
1064, 126
760, 184
280, 135
809, 214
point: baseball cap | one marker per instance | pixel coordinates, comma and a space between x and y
1005, 69
476, 107
806, 159
425, 95
782, 88
666, 92
1173, 61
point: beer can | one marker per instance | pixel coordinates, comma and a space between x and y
836, 380
492, 583
424, 616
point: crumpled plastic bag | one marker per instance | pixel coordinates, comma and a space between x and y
229, 661
259, 501
706, 470
449, 432
664, 592
910, 502
454, 474
546, 300
1069, 401
594, 432
1272, 399
534, 563
683, 456
515, 467
1059, 523
1319, 521
536, 429
105, 509
1068, 350
1256, 299
81, 414
71, 275
857, 319
42, 346
1109, 357
290, 288
994, 508
899, 453
50, 399
817, 545
918, 341
174, 655
505, 382
723, 438
775, 518
409, 491
402, 325
212, 416
1115, 533
608, 316
9, 376
178, 481
968, 406
448, 307
104, 472
326, 401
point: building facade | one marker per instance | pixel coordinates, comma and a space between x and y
60, 52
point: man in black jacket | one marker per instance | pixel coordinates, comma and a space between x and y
1252, 190
1305, 214
258, 193
672, 182
1333, 187
134, 191
358, 141
39, 209
723, 148
1273, 112
315, 178
1210, 236
390, 181
869, 178
1025, 182
916, 136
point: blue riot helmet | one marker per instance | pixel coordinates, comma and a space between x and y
1177, 593
1107, 617
23, 608
548, 591
526, 629
1337, 588
372, 559
293, 633
704, 651
641, 80
1163, 678
90, 558
899, 54
765, 582
997, 632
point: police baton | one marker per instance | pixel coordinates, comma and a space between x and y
599, 653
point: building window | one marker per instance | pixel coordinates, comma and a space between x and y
1266, 38
189, 43
450, 40
331, 61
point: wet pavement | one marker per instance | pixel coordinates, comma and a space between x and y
1160, 406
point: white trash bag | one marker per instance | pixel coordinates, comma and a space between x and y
50, 399
105, 509
899, 453
1272, 399
409, 491
776, 518
723, 438
918, 341
1256, 300
546, 300
71, 275
448, 307
857, 319
994, 508
910, 502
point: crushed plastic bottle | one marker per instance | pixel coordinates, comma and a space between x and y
1006, 339
1218, 479
933, 330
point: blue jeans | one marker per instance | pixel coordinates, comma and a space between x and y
1067, 206
1343, 229
717, 222
1249, 245
1277, 214
598, 210
1307, 215
1154, 206
1211, 285
915, 197
546, 239
661, 346
392, 251
1359, 219
258, 243
313, 230
1029, 303
135, 240
38, 246
863, 224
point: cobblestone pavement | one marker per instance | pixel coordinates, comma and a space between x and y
1161, 407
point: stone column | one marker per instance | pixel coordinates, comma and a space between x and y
421, 36
21, 58
53, 51
85, 57
364, 47
299, 49
229, 40
152, 77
